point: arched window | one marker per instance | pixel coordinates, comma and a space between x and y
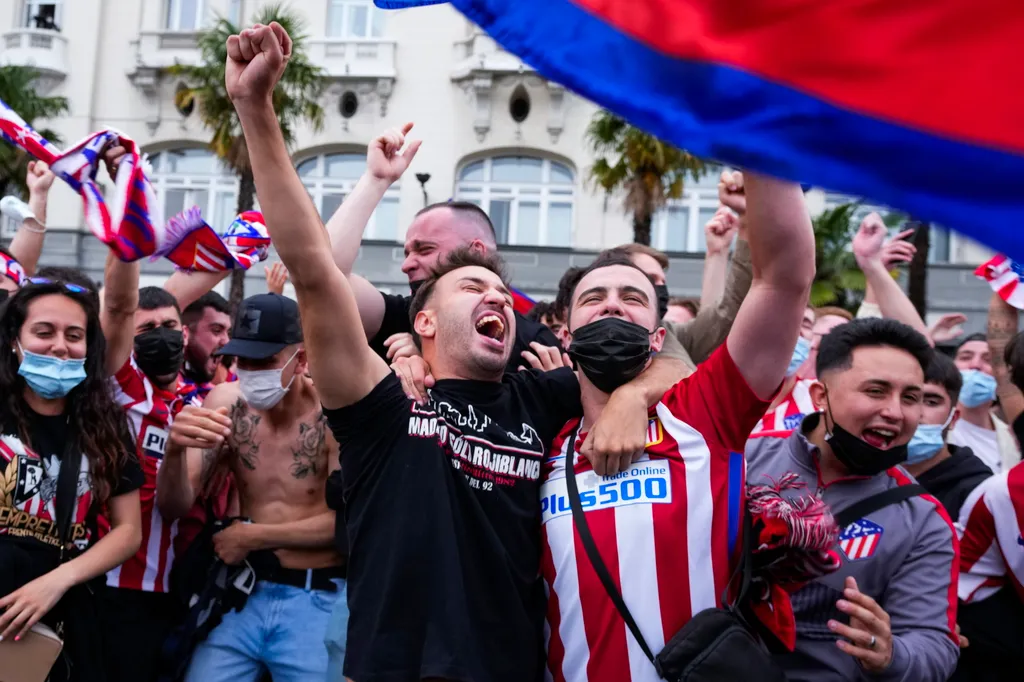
329, 178
530, 200
184, 178
680, 225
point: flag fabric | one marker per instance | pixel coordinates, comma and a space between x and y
522, 303
1006, 278
130, 222
903, 103
199, 249
405, 4
11, 269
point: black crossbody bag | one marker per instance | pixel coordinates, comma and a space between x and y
716, 645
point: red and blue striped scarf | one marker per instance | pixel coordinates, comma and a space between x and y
130, 223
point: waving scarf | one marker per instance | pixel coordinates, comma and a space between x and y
130, 223
1006, 278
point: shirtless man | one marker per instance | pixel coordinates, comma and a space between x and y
268, 430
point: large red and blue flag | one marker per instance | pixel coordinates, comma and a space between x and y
912, 103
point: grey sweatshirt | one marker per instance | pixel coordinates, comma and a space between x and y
902, 556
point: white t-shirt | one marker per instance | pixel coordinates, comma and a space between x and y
983, 442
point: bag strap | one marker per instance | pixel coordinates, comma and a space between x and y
67, 490
862, 508
587, 539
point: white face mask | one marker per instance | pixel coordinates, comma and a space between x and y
261, 388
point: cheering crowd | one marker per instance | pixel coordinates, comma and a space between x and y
619, 485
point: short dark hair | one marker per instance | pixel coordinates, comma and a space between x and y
153, 298
836, 349
462, 257
465, 209
542, 309
566, 285
58, 273
1013, 354
691, 304
976, 336
942, 370
633, 249
195, 310
605, 259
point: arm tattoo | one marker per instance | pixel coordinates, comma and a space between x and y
310, 455
210, 461
1002, 326
243, 434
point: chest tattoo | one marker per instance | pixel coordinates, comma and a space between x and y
309, 454
244, 427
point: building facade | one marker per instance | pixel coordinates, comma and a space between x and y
494, 133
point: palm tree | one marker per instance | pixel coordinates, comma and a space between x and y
838, 281
296, 101
18, 89
649, 170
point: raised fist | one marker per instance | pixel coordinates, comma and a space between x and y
869, 240
385, 158
731, 193
256, 59
39, 178
720, 230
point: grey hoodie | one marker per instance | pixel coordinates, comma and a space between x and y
902, 556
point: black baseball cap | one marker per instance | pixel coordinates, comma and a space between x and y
265, 324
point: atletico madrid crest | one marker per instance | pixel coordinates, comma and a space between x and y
860, 539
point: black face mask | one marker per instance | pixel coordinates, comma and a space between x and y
610, 352
415, 286
662, 291
160, 352
859, 457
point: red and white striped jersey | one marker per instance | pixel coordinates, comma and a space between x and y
992, 541
151, 411
788, 414
666, 528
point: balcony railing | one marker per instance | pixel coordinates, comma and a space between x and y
353, 58
44, 50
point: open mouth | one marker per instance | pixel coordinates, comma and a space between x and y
879, 438
491, 326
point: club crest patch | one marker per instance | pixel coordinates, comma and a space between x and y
860, 539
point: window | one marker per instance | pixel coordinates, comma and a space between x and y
329, 178
530, 200
680, 225
354, 19
183, 178
185, 15
42, 15
939, 245
235, 12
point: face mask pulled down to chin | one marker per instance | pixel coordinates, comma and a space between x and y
858, 456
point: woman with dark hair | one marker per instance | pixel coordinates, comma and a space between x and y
55, 409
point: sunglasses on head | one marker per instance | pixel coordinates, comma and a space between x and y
73, 288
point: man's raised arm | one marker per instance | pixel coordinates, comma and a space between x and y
342, 364
782, 257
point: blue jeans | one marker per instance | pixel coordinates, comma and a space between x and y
337, 632
281, 628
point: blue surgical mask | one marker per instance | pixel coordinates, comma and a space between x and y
979, 388
800, 355
927, 440
48, 376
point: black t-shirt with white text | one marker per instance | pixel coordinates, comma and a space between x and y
28, 483
396, 321
444, 523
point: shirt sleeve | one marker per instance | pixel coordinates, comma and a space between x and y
395, 321
717, 401
553, 398
132, 477
128, 384
982, 568
366, 429
706, 332
921, 602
